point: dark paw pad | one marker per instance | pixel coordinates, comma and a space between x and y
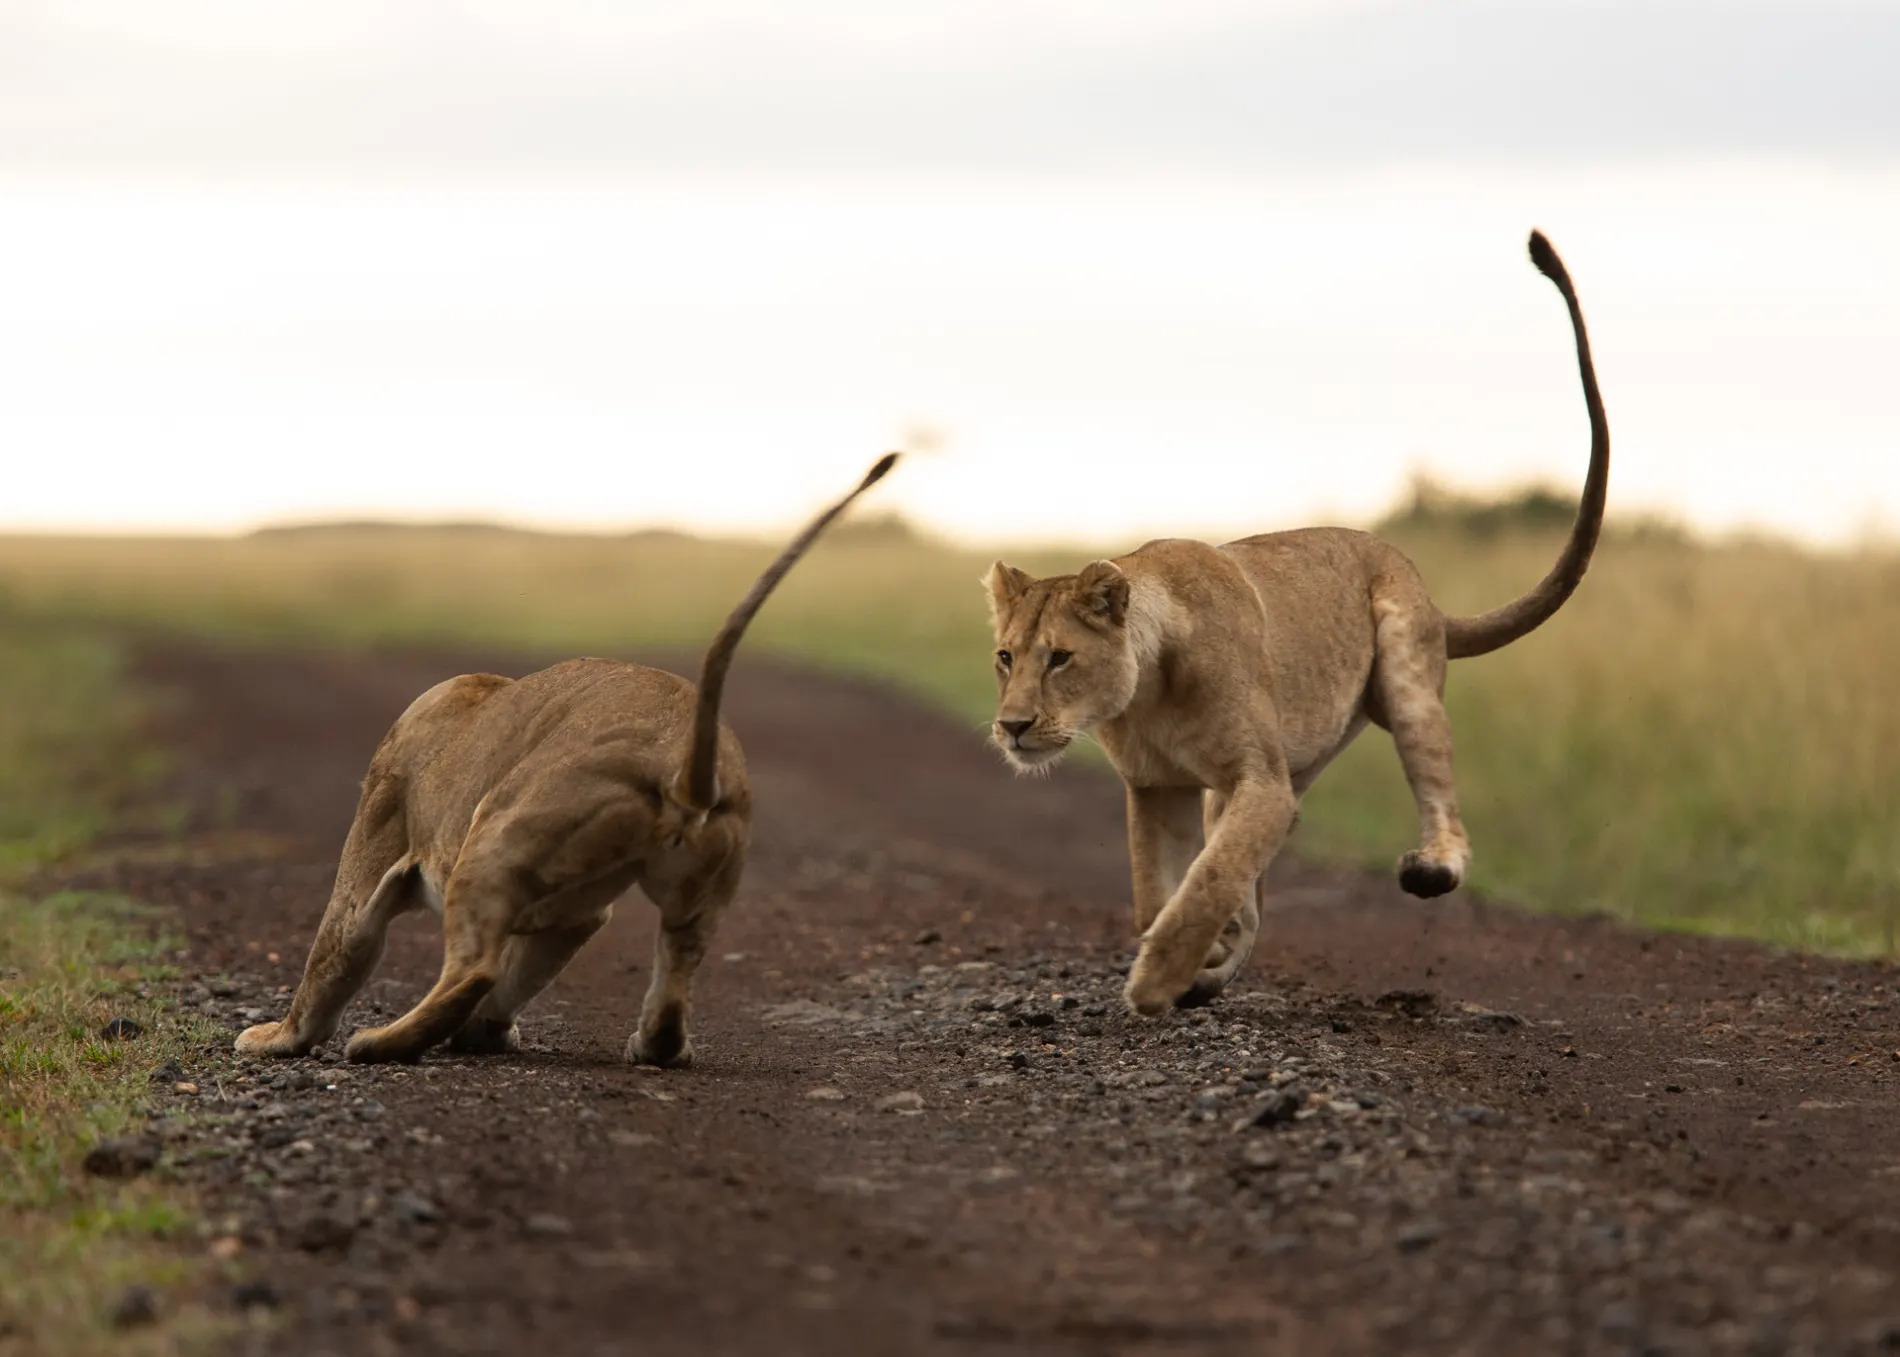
1424, 878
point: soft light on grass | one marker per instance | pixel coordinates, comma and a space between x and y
69, 963
1707, 737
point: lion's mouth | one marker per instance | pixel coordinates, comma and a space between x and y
1042, 753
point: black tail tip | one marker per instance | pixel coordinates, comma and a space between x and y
876, 473
1545, 257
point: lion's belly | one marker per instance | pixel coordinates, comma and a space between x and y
1306, 771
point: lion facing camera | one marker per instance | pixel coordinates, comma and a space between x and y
1222, 680
520, 810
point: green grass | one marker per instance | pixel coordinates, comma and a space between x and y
70, 962
1707, 737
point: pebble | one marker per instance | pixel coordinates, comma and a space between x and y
928, 936
414, 1207
123, 1156
136, 1305
121, 1029
325, 1230
825, 1094
546, 1223
1277, 1108
906, 1102
255, 1296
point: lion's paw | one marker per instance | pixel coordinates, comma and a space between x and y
270, 1039
1152, 985
662, 1042
1426, 878
486, 1036
372, 1046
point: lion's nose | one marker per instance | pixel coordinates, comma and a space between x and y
1017, 729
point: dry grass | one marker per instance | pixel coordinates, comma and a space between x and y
1707, 737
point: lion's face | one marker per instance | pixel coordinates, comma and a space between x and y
1063, 659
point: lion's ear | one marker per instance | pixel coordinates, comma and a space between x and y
1102, 592
1006, 584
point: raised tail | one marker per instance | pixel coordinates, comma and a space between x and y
699, 787
1466, 636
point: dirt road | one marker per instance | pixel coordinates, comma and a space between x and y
921, 1123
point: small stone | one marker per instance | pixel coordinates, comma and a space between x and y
414, 1207
221, 987
255, 1296
1418, 1235
630, 1140
226, 1247
906, 1102
928, 936
184, 1086
123, 1156
1068, 1001
1618, 1319
1487, 1020
825, 1094
324, 1231
168, 1073
1037, 1019
121, 1029
1017, 1060
1262, 1155
545, 1223
136, 1305
1478, 1116
1277, 1108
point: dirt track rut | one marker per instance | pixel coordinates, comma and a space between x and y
920, 1121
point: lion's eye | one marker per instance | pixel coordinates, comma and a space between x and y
1003, 657
1058, 658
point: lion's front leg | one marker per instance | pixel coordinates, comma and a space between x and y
1164, 834
1218, 888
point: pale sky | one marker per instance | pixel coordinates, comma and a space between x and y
1190, 267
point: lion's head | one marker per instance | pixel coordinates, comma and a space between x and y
1064, 660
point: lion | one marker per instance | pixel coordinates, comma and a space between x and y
520, 810
1221, 681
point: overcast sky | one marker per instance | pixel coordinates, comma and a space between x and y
1274, 241
1033, 87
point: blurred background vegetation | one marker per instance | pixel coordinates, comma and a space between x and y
1708, 737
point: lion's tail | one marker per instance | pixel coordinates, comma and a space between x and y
1466, 636
700, 790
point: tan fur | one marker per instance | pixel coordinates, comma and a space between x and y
1222, 680
521, 810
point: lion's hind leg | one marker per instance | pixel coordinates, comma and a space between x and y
478, 907
689, 910
529, 964
1408, 681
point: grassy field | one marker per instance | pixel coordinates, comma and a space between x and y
69, 963
1708, 737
